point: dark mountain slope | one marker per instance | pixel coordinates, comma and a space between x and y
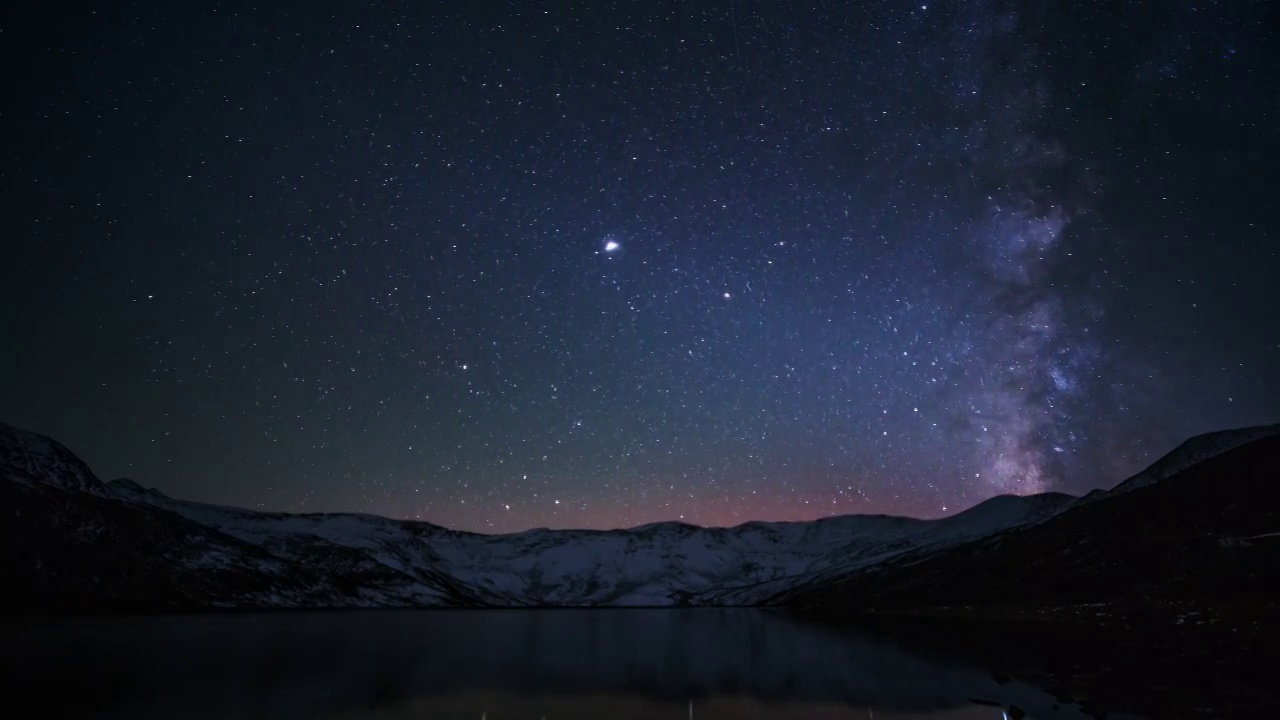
1186, 536
66, 551
1195, 450
116, 540
70, 543
28, 457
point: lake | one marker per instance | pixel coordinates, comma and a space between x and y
499, 664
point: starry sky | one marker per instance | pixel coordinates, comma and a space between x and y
499, 266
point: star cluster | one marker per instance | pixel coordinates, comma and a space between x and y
594, 265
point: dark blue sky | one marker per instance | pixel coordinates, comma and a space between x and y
501, 266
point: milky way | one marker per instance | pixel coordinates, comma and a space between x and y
594, 267
1017, 388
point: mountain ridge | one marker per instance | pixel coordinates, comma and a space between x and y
233, 557
131, 489
1203, 534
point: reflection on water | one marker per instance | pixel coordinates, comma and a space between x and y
498, 664
605, 707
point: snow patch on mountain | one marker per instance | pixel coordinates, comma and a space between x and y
369, 560
921, 536
130, 490
30, 457
653, 565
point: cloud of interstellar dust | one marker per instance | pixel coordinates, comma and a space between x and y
1034, 355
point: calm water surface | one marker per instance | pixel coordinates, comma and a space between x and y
499, 664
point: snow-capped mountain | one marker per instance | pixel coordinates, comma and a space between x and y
986, 519
1193, 451
26, 457
1201, 535
652, 565
75, 538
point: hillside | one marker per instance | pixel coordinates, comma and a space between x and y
1198, 534
75, 543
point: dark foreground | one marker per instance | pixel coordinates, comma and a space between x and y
1153, 659
630, 664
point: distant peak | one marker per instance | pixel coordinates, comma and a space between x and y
666, 525
1009, 508
125, 483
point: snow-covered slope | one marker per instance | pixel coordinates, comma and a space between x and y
389, 558
71, 542
920, 537
1155, 545
653, 565
29, 457
1194, 451
364, 560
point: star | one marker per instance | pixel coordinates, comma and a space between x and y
409, 295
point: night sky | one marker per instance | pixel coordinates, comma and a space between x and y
600, 264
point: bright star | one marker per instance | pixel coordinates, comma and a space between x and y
611, 245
